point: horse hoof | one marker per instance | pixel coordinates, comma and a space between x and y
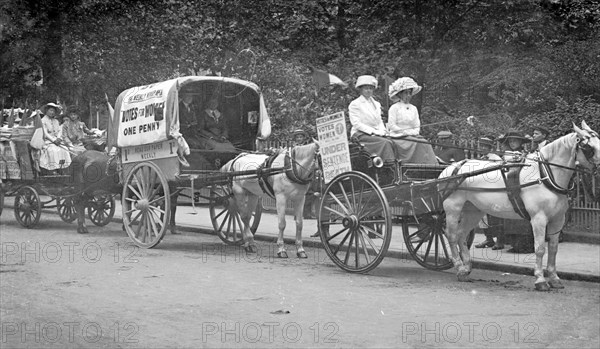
542, 286
556, 284
301, 254
282, 254
82, 231
175, 232
251, 249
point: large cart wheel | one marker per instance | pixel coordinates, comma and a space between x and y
66, 209
427, 242
354, 222
146, 203
28, 207
101, 209
225, 215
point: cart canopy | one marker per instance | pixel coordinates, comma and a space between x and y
150, 114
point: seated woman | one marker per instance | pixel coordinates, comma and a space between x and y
404, 124
214, 129
74, 131
54, 150
367, 125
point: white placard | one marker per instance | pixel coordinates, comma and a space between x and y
333, 141
149, 152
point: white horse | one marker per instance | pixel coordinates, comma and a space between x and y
543, 181
292, 185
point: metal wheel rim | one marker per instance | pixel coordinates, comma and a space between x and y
225, 217
101, 209
355, 225
28, 207
146, 204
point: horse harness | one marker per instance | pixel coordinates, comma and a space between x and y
291, 171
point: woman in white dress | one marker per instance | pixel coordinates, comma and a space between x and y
54, 150
404, 124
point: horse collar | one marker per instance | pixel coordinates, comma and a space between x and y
292, 173
547, 177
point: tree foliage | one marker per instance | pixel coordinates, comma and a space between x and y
513, 63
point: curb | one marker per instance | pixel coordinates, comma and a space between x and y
478, 264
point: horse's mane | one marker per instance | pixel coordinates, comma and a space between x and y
305, 151
566, 141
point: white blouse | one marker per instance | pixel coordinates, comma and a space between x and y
403, 120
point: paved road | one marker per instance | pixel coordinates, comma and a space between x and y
60, 289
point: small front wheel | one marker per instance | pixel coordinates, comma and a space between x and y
28, 207
66, 209
101, 209
226, 218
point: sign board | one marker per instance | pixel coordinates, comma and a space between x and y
142, 115
148, 152
333, 141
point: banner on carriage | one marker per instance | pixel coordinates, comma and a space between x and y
146, 152
143, 114
335, 154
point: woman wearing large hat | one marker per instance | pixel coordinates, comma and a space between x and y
75, 130
367, 124
54, 150
404, 124
513, 142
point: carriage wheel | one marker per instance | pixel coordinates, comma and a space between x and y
226, 218
66, 209
354, 222
428, 244
101, 209
146, 203
28, 207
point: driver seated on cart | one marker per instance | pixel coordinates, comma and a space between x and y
213, 128
54, 154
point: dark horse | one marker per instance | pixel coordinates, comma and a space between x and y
93, 171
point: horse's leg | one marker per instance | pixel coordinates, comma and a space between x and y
299, 218
471, 216
553, 231
280, 201
538, 223
453, 208
245, 210
79, 203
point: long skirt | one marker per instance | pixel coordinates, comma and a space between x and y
52, 155
410, 150
377, 145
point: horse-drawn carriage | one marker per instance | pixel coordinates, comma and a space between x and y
146, 142
438, 207
34, 190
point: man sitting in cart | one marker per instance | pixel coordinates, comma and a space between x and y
54, 154
214, 129
190, 119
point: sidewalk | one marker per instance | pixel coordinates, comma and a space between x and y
575, 261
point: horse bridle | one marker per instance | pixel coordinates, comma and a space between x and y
583, 144
293, 173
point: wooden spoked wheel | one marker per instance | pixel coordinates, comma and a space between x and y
427, 242
101, 209
66, 209
354, 222
146, 203
28, 207
226, 218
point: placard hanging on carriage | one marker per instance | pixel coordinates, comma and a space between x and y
149, 152
333, 141
144, 114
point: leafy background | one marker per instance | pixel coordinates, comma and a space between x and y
512, 63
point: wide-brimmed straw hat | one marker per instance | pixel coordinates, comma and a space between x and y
402, 84
513, 135
366, 80
299, 131
45, 107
